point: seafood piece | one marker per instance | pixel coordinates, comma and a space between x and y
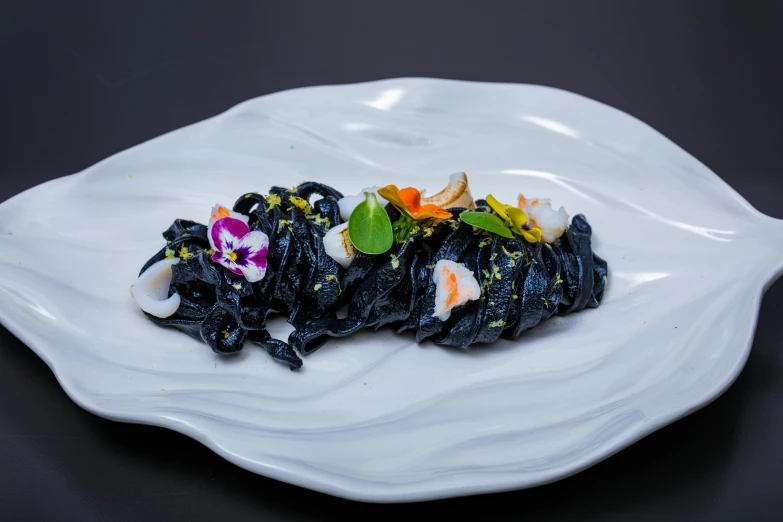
541, 214
456, 194
455, 285
151, 290
338, 245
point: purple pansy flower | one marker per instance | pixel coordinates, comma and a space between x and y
237, 248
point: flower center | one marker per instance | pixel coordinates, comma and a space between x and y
232, 256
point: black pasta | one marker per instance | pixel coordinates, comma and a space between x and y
522, 283
301, 281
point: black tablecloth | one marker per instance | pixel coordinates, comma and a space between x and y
83, 80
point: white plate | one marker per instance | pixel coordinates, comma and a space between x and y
379, 418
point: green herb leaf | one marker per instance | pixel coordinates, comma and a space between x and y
369, 227
487, 221
403, 228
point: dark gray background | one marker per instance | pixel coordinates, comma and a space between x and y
82, 80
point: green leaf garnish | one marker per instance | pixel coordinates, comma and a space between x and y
403, 228
486, 221
369, 227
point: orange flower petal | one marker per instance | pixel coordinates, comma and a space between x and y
220, 212
432, 211
412, 198
409, 200
437, 211
392, 194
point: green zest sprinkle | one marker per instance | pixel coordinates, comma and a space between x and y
319, 219
301, 204
170, 253
497, 324
514, 296
332, 277
486, 280
512, 255
395, 263
282, 223
273, 200
496, 272
294, 188
429, 266
318, 287
369, 227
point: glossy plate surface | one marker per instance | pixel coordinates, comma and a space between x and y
375, 417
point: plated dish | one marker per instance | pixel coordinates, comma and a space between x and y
374, 416
448, 269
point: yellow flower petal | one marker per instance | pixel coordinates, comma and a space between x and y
498, 207
518, 217
533, 235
